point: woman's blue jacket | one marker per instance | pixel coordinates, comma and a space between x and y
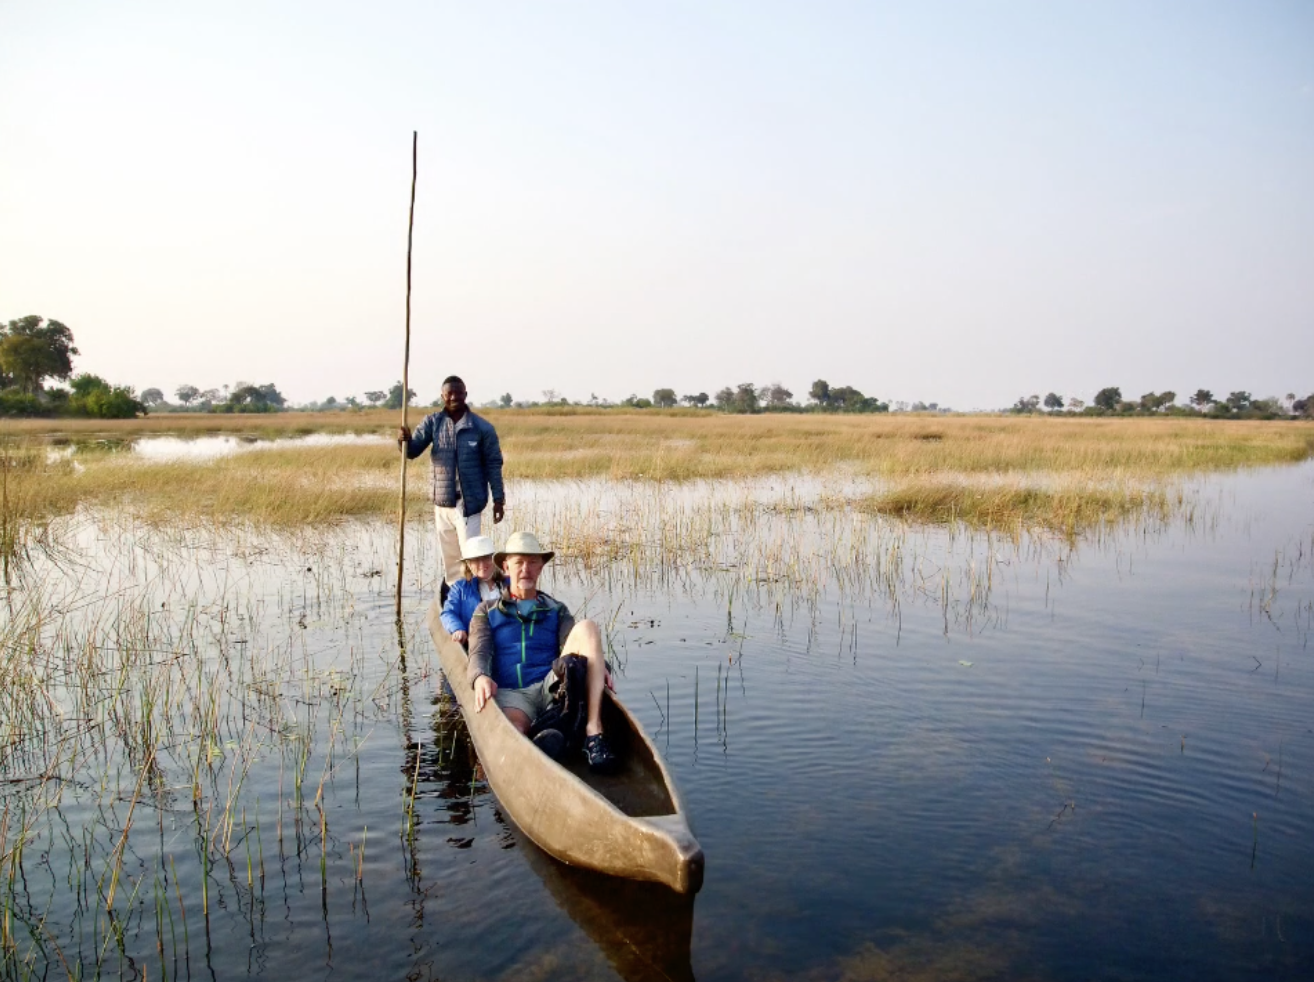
462, 599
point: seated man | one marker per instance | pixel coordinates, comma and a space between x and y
515, 639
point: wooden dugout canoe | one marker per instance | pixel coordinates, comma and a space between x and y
630, 824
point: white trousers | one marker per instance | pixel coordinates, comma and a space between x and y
453, 529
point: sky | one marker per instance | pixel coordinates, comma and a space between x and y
960, 202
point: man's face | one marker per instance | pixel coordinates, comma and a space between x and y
454, 399
523, 571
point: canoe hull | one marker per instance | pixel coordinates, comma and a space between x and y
631, 825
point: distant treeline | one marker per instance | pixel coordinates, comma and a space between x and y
1109, 402
746, 397
34, 350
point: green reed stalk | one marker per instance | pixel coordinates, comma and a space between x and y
695, 702
117, 855
187, 941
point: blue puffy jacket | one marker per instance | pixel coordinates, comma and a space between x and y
462, 599
469, 449
517, 649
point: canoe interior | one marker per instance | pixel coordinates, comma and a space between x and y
638, 788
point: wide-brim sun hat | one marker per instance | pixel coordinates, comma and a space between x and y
477, 546
522, 544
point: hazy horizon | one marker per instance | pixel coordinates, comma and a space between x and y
952, 203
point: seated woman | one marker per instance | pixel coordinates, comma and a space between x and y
482, 581
514, 641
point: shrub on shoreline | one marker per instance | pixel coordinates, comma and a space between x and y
92, 398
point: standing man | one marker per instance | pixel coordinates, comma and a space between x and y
467, 465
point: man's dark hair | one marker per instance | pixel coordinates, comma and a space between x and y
453, 380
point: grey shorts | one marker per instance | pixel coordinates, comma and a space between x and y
532, 700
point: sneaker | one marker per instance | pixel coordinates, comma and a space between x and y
551, 742
601, 759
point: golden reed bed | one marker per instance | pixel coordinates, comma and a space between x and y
1058, 473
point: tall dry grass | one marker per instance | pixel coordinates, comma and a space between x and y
679, 444
1065, 473
1069, 506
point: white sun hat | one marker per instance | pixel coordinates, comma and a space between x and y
477, 546
523, 544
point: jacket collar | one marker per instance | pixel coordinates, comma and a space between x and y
510, 606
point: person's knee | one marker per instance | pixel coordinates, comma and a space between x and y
590, 634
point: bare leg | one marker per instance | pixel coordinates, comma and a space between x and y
518, 719
586, 640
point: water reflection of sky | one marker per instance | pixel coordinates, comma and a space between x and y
172, 448
1005, 760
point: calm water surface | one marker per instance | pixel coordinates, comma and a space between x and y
907, 754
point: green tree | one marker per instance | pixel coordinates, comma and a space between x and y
1203, 399
152, 397
1053, 401
395, 396
186, 393
820, 392
33, 349
665, 398
699, 399
504, 401
1269, 405
847, 399
1238, 401
1024, 404
86, 383
1108, 399
375, 397
776, 395
93, 396
742, 399
247, 398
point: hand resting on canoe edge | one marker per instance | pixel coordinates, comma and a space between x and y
515, 639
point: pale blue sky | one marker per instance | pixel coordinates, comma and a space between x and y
958, 202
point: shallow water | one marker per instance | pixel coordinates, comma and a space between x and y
906, 753
196, 449
172, 448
